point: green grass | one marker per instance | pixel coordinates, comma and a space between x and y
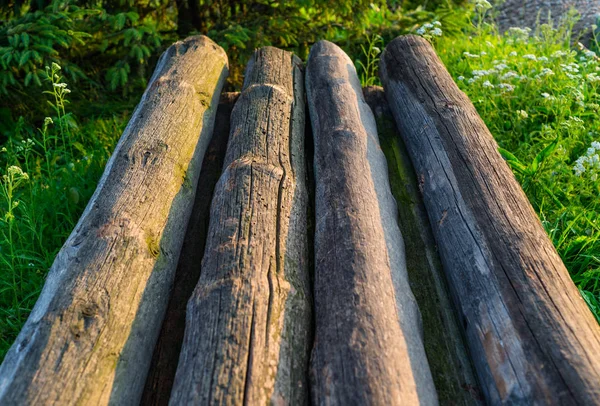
48, 175
540, 99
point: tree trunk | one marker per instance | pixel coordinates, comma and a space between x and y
368, 346
532, 338
90, 337
166, 353
248, 322
449, 361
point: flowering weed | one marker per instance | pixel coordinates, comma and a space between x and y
47, 177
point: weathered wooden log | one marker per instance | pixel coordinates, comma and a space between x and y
451, 367
368, 345
90, 336
166, 353
247, 336
532, 338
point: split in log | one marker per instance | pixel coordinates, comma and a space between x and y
532, 338
368, 346
90, 336
449, 361
166, 353
248, 323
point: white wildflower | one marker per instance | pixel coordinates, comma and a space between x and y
482, 5
589, 163
593, 77
506, 87
559, 54
509, 75
519, 34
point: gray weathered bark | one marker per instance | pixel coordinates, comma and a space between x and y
166, 353
90, 337
526, 13
368, 346
532, 338
247, 334
447, 354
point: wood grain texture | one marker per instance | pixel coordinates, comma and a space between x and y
166, 353
531, 336
247, 336
90, 337
451, 367
368, 345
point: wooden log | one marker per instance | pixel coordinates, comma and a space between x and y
90, 336
532, 338
451, 367
166, 353
368, 345
247, 336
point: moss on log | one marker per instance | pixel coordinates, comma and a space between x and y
449, 361
166, 353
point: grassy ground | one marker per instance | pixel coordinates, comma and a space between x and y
50, 174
